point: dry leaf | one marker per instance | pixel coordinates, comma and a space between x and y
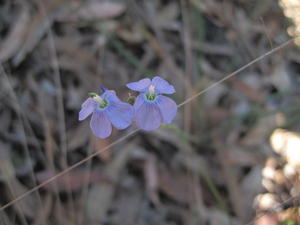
251, 186
78, 137
218, 217
176, 186
280, 78
242, 157
128, 205
100, 196
151, 177
71, 181
260, 132
40, 23
268, 219
44, 212
252, 94
15, 38
167, 17
96, 10
27, 206
104, 155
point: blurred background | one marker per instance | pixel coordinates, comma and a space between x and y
232, 155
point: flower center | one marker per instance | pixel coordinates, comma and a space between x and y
102, 102
151, 89
151, 96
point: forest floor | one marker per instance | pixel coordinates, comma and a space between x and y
232, 154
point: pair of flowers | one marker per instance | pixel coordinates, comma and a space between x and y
150, 108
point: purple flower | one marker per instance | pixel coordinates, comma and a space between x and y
152, 108
107, 110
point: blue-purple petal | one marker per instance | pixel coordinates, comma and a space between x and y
140, 99
162, 86
148, 116
168, 108
141, 85
102, 88
110, 95
120, 114
87, 108
100, 124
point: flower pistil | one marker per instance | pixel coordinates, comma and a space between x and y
151, 95
102, 102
